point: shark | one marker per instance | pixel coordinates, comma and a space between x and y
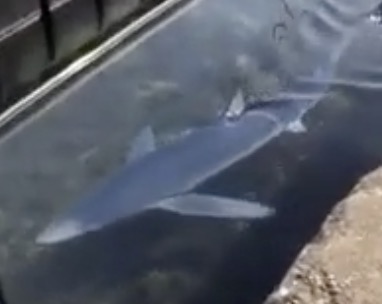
166, 177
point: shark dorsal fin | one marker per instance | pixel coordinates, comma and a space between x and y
143, 144
237, 106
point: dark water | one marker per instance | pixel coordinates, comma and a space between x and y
162, 258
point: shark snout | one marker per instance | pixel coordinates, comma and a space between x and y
60, 231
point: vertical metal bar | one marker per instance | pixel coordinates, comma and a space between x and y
48, 25
100, 11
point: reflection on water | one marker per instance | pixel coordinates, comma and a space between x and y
164, 258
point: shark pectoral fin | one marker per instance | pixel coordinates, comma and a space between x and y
214, 206
143, 144
297, 126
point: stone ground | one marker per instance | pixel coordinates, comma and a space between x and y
343, 265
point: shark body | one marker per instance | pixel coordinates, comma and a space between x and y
165, 178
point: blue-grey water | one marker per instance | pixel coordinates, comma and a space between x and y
180, 77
